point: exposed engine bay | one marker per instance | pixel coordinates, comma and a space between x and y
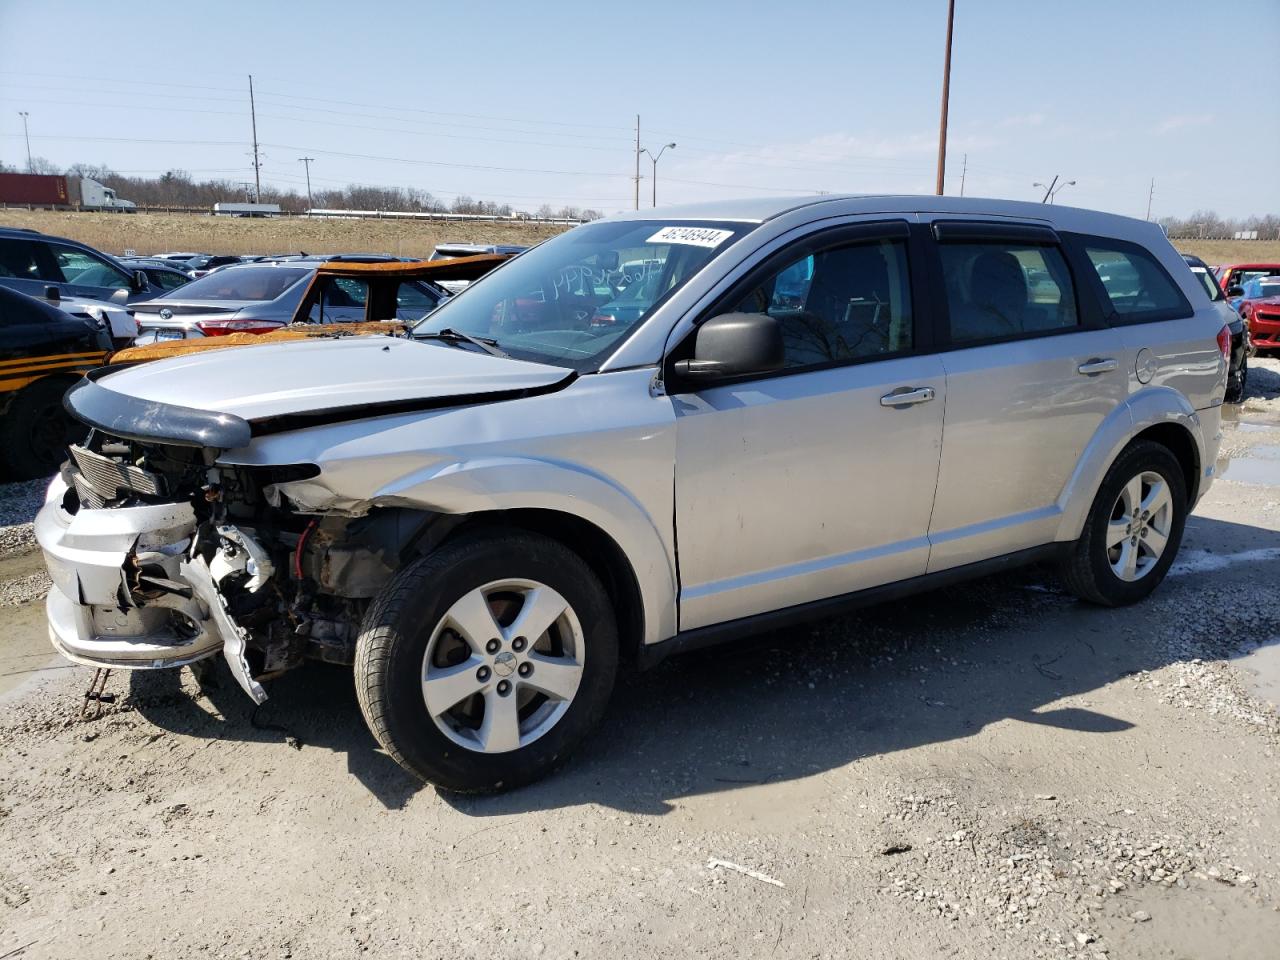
218, 554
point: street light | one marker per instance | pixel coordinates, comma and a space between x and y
1053, 188
669, 146
23, 114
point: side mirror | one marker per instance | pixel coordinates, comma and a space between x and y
734, 345
1235, 291
138, 282
52, 293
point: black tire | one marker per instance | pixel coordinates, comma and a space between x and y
398, 627
35, 431
1086, 569
1235, 390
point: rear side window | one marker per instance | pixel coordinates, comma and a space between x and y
1137, 287
1000, 290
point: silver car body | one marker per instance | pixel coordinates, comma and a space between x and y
725, 503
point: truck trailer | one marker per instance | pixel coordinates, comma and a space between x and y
56, 190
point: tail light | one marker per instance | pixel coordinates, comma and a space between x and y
603, 320
220, 328
1224, 343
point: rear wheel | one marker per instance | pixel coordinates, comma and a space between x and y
1133, 530
1236, 383
35, 431
480, 666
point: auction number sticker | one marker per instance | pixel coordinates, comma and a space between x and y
692, 236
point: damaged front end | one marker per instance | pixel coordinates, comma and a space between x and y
161, 556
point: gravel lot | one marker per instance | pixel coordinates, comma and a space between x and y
992, 770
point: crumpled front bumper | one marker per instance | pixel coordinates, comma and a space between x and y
99, 618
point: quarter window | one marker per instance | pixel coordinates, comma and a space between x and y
844, 303
1137, 287
1000, 290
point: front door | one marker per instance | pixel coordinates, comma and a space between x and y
816, 481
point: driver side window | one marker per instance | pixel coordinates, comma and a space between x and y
843, 303
81, 268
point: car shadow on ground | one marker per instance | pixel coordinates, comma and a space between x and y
934, 668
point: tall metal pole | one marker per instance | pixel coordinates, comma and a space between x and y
655, 159
306, 162
257, 165
637, 161
946, 96
1150, 194
23, 114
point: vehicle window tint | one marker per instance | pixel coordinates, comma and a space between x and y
17, 259
844, 303
345, 292
1135, 284
1006, 289
243, 283
168, 279
414, 301
87, 270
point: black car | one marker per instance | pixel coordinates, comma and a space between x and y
1241, 344
43, 351
163, 275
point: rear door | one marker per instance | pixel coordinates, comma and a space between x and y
816, 480
1032, 371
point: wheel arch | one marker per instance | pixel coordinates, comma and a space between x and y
600, 551
1159, 414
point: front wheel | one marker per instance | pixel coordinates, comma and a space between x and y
480, 666
1133, 530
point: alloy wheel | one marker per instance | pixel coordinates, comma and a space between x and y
1139, 528
503, 665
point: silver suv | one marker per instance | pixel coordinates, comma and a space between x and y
799, 406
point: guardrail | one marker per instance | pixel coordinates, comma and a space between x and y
317, 214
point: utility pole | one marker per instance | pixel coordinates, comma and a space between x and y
23, 114
1151, 194
637, 161
946, 96
257, 164
306, 162
963, 170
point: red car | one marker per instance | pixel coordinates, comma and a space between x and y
1238, 274
1260, 306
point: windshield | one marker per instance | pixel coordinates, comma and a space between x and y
571, 300
247, 283
1263, 288
1209, 281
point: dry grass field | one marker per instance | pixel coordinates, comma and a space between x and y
157, 232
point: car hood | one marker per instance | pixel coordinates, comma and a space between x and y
352, 374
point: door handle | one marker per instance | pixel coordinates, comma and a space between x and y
1090, 367
907, 396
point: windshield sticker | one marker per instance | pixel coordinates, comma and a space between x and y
692, 236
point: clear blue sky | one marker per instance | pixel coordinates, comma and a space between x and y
760, 97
